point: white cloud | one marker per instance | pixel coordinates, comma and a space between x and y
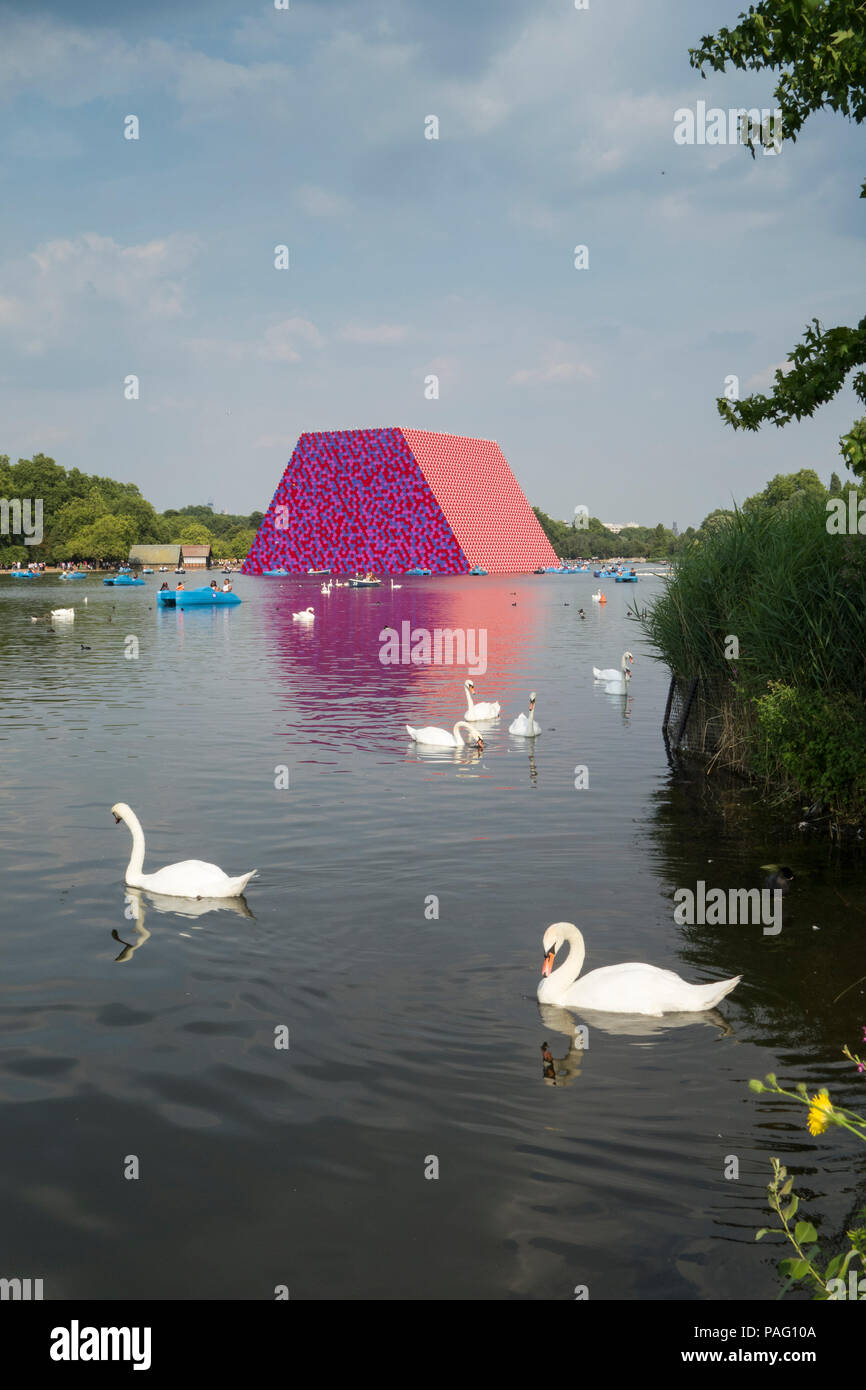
60, 280
557, 366
375, 335
282, 342
319, 202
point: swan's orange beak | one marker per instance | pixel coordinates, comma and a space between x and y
548, 962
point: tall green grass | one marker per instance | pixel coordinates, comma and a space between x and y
794, 597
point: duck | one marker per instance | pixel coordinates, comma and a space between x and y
780, 881
525, 725
610, 673
580, 613
440, 738
191, 878
482, 711
632, 988
307, 615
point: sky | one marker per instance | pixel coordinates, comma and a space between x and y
408, 257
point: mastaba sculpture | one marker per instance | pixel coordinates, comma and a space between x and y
392, 500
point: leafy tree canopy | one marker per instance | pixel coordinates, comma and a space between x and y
818, 49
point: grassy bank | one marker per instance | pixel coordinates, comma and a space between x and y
770, 612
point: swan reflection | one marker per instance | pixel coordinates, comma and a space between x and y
561, 1071
559, 1020
135, 911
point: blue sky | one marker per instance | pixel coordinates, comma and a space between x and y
408, 256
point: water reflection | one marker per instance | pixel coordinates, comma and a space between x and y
137, 901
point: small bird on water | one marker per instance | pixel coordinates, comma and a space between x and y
781, 880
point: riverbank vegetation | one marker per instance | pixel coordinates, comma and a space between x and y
768, 611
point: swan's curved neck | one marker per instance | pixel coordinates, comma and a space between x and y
566, 973
136, 859
470, 703
462, 724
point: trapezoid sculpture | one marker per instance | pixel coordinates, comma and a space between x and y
391, 500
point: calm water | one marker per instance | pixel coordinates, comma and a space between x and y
409, 1037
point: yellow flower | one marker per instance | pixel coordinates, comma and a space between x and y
820, 1111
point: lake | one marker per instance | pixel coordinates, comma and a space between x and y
392, 937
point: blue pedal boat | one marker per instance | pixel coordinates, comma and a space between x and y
194, 598
125, 581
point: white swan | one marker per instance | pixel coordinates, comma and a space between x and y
396, 586
610, 673
597, 596
326, 588
490, 710
633, 988
306, 616
191, 878
525, 725
66, 615
440, 738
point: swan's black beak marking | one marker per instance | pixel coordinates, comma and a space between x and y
116, 819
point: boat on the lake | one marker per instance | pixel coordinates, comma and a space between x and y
418, 570
125, 581
477, 569
272, 573
625, 578
194, 598
25, 574
365, 583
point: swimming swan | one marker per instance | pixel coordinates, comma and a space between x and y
306, 616
633, 988
440, 738
610, 673
482, 711
63, 614
598, 597
524, 724
191, 878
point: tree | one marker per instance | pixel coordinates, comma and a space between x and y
819, 50
787, 489
109, 538
193, 533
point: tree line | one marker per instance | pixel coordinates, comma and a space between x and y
87, 517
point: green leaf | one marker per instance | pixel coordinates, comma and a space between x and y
763, 1231
791, 1210
805, 1232
783, 1191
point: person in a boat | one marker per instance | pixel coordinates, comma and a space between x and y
227, 585
163, 588
213, 585
179, 586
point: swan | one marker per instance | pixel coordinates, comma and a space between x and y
610, 673
633, 988
525, 724
598, 597
440, 738
396, 586
306, 616
482, 711
326, 588
64, 614
191, 878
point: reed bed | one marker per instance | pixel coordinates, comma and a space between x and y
769, 611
